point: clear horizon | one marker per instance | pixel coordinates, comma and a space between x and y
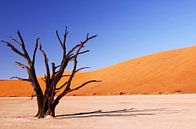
126, 29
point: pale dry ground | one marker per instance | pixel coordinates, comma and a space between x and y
105, 112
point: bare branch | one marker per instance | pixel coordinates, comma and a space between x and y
84, 52
66, 57
73, 49
21, 79
70, 90
25, 53
89, 38
23, 44
82, 85
17, 42
87, 35
46, 65
72, 74
61, 86
66, 75
79, 69
22, 66
54, 67
67, 89
20, 36
60, 41
74, 67
53, 70
65, 37
57, 66
13, 48
35, 50
82, 43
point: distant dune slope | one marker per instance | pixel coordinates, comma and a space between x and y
172, 71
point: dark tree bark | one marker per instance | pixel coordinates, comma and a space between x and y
48, 100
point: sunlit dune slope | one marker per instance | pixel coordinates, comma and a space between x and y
15, 88
166, 72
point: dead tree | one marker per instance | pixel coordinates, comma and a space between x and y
48, 99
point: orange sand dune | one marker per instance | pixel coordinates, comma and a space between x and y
167, 72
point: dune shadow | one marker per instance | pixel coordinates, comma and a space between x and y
115, 113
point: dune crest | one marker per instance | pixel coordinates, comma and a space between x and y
172, 71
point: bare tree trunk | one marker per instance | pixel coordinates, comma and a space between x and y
47, 108
51, 110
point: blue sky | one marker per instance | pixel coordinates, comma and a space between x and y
126, 28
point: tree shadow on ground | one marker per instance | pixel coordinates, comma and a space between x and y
115, 113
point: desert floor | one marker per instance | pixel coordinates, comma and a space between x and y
103, 112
